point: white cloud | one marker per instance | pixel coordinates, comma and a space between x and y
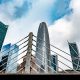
59, 33
66, 28
8, 8
75, 5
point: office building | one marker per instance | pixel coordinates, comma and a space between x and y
3, 31
43, 49
13, 59
4, 56
54, 63
74, 55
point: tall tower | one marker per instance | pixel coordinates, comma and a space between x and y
74, 55
12, 59
54, 63
3, 30
5, 54
43, 49
9, 58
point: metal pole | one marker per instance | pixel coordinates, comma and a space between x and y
28, 55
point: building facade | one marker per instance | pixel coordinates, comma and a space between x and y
54, 63
43, 49
3, 31
13, 59
9, 59
4, 56
74, 55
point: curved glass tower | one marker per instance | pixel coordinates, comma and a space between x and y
43, 48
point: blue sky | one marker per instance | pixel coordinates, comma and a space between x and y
24, 16
20, 14
56, 10
20, 11
27, 12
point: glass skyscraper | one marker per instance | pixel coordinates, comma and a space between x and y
54, 63
3, 30
4, 56
43, 49
13, 59
74, 55
9, 58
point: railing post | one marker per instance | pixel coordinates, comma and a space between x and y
28, 55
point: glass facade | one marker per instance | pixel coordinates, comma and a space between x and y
3, 30
13, 59
43, 48
9, 58
5, 53
74, 55
54, 63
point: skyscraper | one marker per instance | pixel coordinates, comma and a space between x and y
13, 59
74, 55
9, 58
54, 63
43, 48
3, 30
4, 56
